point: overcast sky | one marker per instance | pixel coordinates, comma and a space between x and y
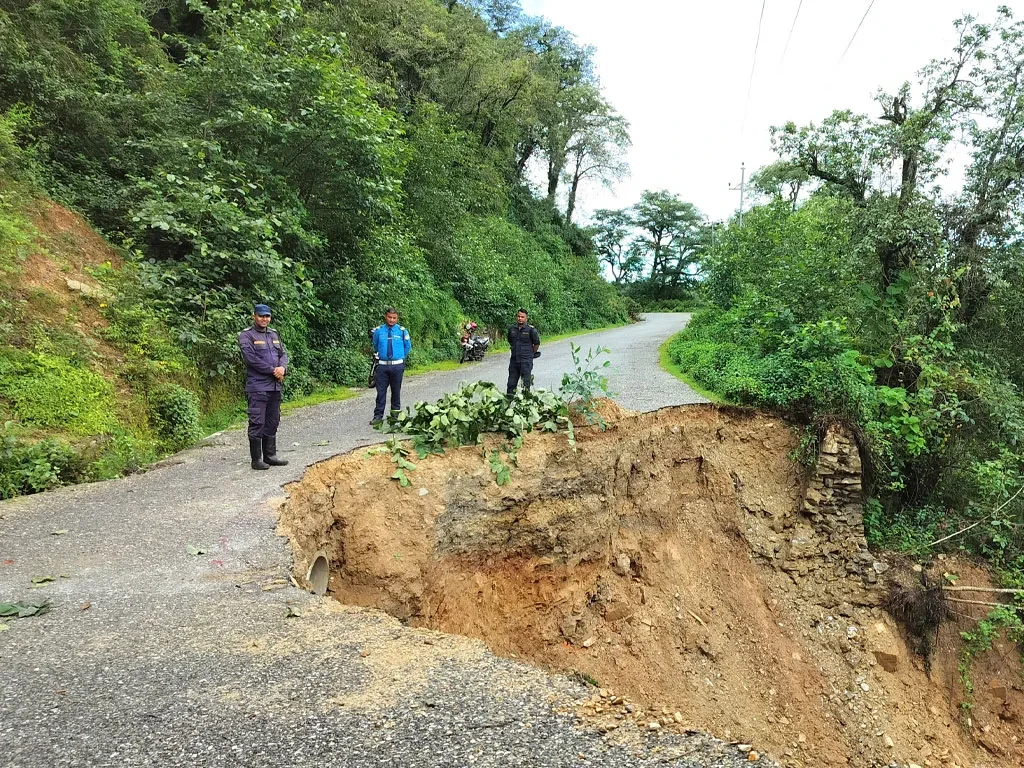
680, 70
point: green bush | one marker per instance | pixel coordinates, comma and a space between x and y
52, 393
175, 414
123, 455
297, 383
32, 467
341, 365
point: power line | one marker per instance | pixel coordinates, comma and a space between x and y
753, 64
791, 28
870, 5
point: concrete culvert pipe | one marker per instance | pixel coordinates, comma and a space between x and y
319, 574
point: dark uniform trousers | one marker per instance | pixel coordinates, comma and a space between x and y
521, 342
519, 369
388, 376
264, 413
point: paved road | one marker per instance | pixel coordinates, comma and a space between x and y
154, 656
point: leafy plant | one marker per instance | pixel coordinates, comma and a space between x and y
176, 415
979, 640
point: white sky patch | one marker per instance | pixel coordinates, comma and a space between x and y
679, 72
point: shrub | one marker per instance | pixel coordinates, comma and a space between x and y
52, 393
123, 455
31, 467
341, 365
175, 412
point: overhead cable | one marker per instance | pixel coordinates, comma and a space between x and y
870, 5
753, 64
791, 28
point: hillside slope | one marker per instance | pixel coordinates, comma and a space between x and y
86, 373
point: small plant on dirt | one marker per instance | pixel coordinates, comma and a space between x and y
979, 640
465, 416
589, 381
398, 453
584, 677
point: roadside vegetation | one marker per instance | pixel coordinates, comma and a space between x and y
866, 287
327, 158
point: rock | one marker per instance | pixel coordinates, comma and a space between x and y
801, 738
622, 564
884, 645
744, 747
753, 757
569, 626
677, 716
589, 642
84, 288
845, 609
997, 689
654, 725
888, 741
618, 612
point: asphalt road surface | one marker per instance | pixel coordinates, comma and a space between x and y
154, 655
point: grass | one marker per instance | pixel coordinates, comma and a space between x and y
234, 415
439, 365
502, 346
320, 396
670, 365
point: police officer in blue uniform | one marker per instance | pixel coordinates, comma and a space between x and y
266, 363
392, 344
524, 341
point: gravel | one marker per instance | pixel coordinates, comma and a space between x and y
151, 655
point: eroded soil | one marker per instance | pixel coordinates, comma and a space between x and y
659, 560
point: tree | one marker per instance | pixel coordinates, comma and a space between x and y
596, 152
674, 235
612, 231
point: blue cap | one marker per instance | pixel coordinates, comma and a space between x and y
261, 309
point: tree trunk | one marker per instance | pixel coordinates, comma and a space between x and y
571, 206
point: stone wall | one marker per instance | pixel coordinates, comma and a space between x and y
825, 539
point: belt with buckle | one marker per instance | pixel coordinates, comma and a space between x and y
392, 362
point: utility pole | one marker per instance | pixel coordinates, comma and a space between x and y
742, 188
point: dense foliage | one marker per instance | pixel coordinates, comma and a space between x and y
327, 158
478, 409
861, 288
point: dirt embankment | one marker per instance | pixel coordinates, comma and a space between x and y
683, 561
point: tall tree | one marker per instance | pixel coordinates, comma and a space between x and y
596, 152
613, 237
674, 234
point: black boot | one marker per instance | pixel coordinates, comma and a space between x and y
256, 452
270, 452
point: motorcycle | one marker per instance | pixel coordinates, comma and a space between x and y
474, 347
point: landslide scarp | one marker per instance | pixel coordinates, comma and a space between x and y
681, 559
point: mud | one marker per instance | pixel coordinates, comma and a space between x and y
681, 560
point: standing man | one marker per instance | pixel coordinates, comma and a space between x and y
524, 341
265, 364
392, 344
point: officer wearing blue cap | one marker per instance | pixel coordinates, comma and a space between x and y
266, 362
392, 345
